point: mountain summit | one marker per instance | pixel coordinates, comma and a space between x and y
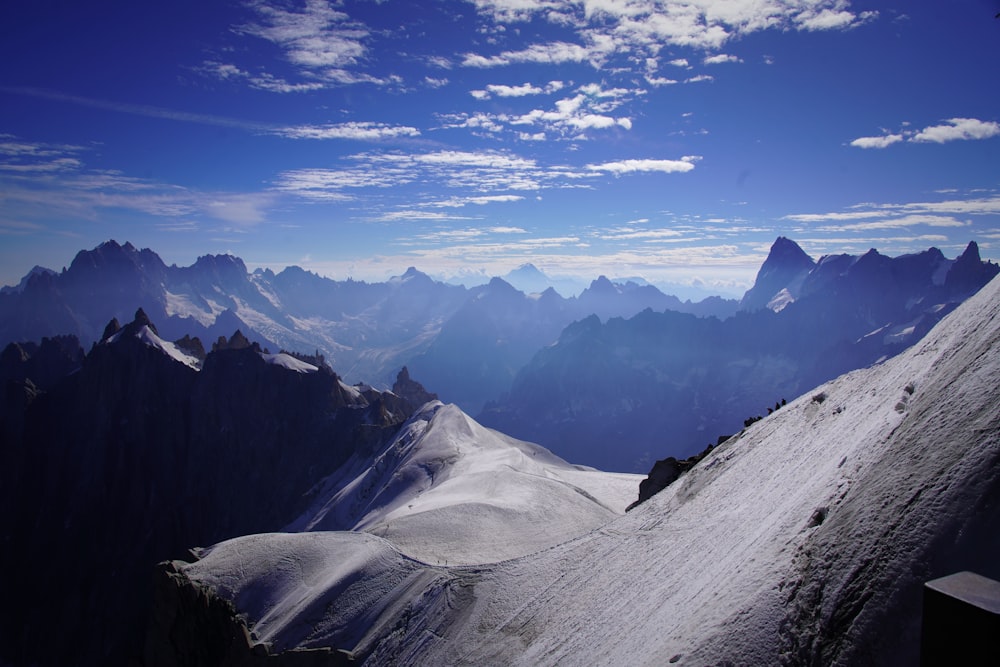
784, 269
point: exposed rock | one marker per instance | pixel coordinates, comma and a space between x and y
411, 390
666, 471
236, 342
111, 329
191, 345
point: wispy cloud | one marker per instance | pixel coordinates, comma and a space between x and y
620, 167
137, 109
553, 53
593, 107
607, 28
948, 213
356, 130
361, 131
315, 38
54, 177
952, 129
881, 141
522, 90
721, 58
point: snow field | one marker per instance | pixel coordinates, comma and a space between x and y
805, 539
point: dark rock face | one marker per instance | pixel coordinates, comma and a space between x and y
119, 459
665, 472
410, 390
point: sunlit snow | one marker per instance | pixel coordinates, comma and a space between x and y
289, 362
808, 536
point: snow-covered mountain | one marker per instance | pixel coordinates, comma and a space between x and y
620, 394
367, 331
804, 539
494, 497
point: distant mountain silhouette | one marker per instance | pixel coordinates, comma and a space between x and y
367, 331
624, 393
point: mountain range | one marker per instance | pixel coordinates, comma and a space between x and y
622, 393
621, 362
805, 538
148, 444
367, 331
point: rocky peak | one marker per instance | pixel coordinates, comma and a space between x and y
410, 390
111, 329
786, 267
969, 271
236, 342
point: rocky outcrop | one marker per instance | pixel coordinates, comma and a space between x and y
666, 471
116, 460
411, 390
190, 625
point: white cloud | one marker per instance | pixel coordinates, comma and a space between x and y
832, 18
685, 164
522, 90
700, 78
877, 142
950, 213
660, 81
415, 216
514, 91
721, 58
607, 27
260, 81
363, 131
553, 53
648, 235
316, 37
953, 129
459, 202
591, 108
958, 128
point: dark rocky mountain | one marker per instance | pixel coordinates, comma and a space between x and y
621, 394
113, 460
367, 330
786, 266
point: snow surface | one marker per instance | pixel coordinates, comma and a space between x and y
804, 539
780, 300
146, 335
183, 305
289, 362
447, 489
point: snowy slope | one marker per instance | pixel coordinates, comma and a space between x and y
805, 539
146, 335
449, 490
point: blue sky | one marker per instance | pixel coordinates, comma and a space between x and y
670, 140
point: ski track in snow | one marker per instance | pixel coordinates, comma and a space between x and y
805, 538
